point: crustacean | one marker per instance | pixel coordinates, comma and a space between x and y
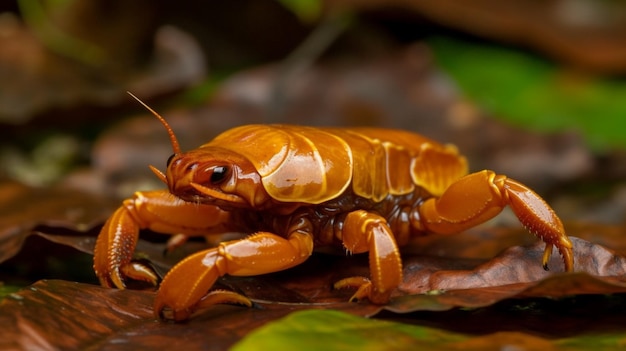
293, 188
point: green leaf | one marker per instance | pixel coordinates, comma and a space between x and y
6, 290
594, 342
534, 93
332, 330
306, 10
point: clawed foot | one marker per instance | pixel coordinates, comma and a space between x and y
364, 290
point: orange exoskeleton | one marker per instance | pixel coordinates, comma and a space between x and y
293, 188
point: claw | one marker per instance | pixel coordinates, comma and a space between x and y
538, 218
185, 288
547, 253
480, 196
363, 286
114, 252
159, 211
187, 283
368, 232
214, 297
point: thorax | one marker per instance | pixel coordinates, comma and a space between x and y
326, 219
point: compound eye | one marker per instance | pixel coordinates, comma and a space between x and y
169, 160
219, 174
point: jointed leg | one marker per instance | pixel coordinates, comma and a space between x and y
362, 232
159, 211
480, 196
184, 289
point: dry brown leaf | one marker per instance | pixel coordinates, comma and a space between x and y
64, 315
517, 268
516, 265
23, 208
436, 281
92, 316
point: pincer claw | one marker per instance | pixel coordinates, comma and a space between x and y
565, 248
113, 254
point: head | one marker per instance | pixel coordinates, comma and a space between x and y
215, 175
210, 175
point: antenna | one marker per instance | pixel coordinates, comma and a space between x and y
170, 132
